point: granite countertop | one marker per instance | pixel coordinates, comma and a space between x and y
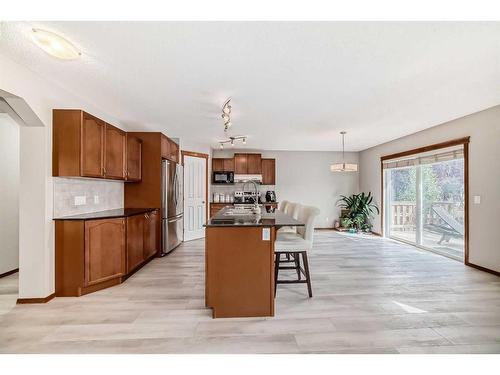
108, 214
266, 219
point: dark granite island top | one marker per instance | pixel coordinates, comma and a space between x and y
265, 219
108, 214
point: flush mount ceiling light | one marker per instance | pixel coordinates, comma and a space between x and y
226, 114
55, 45
242, 138
343, 167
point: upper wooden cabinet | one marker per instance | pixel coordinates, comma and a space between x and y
92, 146
223, 165
240, 163
104, 255
114, 155
247, 163
268, 171
169, 149
85, 146
134, 158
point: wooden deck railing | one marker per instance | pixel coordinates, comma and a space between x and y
404, 214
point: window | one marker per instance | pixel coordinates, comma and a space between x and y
424, 200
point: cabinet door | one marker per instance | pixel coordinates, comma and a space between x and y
228, 164
217, 165
92, 151
114, 153
134, 158
268, 171
240, 163
104, 250
135, 241
254, 164
151, 238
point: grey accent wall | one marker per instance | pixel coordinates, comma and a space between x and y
305, 177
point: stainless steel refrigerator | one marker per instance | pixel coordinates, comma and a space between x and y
172, 206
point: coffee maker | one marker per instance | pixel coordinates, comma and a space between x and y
270, 196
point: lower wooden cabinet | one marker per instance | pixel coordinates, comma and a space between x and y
104, 250
99, 253
152, 234
135, 241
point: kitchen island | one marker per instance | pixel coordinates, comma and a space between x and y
239, 262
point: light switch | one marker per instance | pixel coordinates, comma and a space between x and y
96, 199
477, 199
80, 200
266, 234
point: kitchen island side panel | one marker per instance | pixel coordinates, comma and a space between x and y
239, 271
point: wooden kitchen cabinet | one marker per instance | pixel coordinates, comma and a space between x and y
240, 163
151, 234
85, 146
169, 149
228, 164
92, 146
268, 171
254, 164
114, 153
135, 241
247, 163
134, 158
217, 165
104, 250
222, 165
95, 252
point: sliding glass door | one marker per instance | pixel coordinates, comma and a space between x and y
425, 201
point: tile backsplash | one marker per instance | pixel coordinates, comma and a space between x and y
99, 195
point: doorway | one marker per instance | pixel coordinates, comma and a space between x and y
195, 194
425, 199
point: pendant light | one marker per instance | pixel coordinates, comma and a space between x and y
343, 167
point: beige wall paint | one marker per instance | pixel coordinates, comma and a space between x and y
484, 176
305, 177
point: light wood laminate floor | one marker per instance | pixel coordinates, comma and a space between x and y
371, 295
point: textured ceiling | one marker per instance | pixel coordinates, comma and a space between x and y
295, 85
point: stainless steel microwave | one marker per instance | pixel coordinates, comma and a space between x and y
223, 178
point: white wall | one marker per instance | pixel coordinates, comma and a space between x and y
305, 177
9, 195
484, 176
36, 228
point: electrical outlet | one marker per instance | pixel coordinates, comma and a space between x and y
80, 200
96, 199
266, 234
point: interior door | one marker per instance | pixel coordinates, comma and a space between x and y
195, 205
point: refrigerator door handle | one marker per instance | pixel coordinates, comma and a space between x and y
175, 188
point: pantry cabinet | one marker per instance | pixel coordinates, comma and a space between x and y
268, 171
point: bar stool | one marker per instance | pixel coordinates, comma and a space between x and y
292, 209
296, 246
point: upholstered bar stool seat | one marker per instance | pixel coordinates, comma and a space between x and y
294, 246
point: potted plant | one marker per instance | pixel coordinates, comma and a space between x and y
358, 206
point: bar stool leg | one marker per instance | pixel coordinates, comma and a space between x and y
276, 269
306, 269
296, 258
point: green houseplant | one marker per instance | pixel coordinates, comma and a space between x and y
359, 208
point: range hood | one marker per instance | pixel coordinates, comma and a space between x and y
248, 177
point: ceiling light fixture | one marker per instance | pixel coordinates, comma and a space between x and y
343, 167
55, 45
226, 114
232, 140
